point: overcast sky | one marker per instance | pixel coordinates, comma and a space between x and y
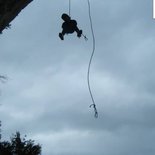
46, 96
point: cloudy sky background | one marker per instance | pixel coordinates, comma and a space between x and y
46, 96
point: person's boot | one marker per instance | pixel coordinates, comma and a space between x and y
79, 33
61, 36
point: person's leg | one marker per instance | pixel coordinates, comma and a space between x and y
76, 29
61, 35
79, 32
64, 28
64, 32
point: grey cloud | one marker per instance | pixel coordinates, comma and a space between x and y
46, 96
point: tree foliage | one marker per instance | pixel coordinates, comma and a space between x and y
19, 146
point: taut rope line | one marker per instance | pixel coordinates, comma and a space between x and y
69, 11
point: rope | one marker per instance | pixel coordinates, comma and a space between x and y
85, 37
90, 61
69, 12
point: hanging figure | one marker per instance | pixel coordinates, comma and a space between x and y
69, 26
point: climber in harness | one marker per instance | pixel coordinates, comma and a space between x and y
69, 26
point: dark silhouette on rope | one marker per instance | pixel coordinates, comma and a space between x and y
69, 26
88, 73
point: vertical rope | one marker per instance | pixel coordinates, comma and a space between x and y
91, 58
69, 12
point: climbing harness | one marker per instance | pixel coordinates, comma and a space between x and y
90, 61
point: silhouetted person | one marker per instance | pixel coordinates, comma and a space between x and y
69, 26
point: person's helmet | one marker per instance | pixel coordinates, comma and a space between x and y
65, 17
